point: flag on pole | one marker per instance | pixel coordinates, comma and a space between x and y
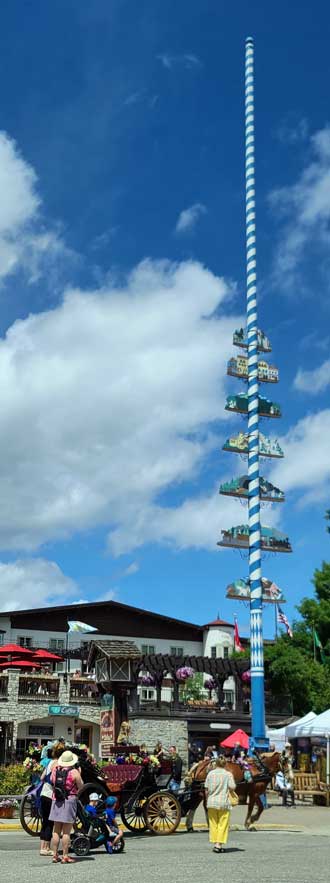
82, 627
283, 619
317, 643
237, 641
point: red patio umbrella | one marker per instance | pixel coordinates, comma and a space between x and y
20, 663
47, 656
14, 650
238, 737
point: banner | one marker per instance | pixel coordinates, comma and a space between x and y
107, 730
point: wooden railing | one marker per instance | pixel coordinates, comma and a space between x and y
35, 688
84, 690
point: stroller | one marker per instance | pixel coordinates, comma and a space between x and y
92, 832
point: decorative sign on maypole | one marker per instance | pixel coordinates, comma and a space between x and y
252, 486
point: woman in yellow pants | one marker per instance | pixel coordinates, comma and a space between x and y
218, 784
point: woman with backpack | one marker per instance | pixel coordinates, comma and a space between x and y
46, 794
66, 781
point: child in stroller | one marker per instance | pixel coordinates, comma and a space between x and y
96, 830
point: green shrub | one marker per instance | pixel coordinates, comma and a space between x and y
14, 779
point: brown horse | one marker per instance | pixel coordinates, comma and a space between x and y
262, 771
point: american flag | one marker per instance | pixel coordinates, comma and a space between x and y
283, 619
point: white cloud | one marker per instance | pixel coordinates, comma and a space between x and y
33, 582
314, 381
306, 465
197, 523
305, 209
189, 217
25, 242
187, 59
293, 134
107, 402
131, 569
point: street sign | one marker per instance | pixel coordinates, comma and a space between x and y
220, 726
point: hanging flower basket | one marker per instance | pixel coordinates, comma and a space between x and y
147, 680
246, 676
210, 684
182, 674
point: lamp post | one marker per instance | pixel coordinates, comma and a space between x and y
256, 636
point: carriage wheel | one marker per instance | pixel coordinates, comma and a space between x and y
29, 816
134, 819
162, 813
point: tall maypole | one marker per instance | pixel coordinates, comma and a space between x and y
252, 487
256, 635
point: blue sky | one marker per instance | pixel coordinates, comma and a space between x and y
122, 278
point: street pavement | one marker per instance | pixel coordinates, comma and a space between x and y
271, 856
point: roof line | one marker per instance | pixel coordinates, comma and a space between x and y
118, 604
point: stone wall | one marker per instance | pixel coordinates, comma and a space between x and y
17, 711
173, 731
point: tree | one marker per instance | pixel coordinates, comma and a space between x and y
291, 671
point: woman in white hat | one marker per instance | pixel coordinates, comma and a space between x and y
66, 781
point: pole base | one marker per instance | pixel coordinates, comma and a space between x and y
258, 743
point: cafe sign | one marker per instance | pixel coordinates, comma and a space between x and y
67, 710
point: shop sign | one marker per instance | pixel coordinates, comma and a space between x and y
107, 730
67, 710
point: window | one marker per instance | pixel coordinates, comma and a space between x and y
56, 644
147, 694
228, 697
1, 637
24, 641
148, 649
213, 652
36, 730
176, 651
225, 652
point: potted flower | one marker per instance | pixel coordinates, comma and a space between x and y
7, 807
147, 680
185, 672
210, 685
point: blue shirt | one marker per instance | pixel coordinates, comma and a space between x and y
91, 809
111, 816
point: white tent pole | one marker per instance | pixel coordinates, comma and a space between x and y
328, 758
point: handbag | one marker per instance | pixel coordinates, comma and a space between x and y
233, 798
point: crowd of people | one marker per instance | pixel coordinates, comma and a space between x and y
61, 782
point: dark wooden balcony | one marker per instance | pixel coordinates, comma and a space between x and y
36, 688
84, 691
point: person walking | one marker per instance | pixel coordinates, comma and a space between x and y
287, 767
176, 770
66, 781
218, 785
46, 795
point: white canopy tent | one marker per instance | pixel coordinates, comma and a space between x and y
295, 730
318, 726
276, 737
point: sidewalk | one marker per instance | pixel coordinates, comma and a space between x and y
305, 818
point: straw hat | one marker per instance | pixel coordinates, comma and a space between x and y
68, 758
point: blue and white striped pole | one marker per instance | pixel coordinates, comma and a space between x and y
256, 636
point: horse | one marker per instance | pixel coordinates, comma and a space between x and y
262, 769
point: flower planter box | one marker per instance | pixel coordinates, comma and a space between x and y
7, 812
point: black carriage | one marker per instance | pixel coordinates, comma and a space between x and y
143, 799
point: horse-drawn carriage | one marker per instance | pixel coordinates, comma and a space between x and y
144, 801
